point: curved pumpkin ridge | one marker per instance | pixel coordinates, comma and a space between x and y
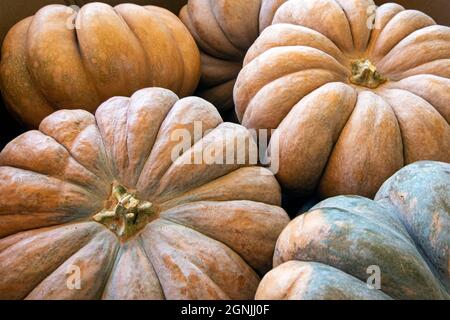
141, 118
285, 35
215, 155
427, 224
185, 46
222, 95
435, 90
55, 63
357, 13
284, 93
398, 28
185, 17
247, 183
324, 16
33, 263
95, 261
209, 30
114, 75
304, 149
25, 209
440, 68
133, 277
18, 88
236, 224
36, 148
267, 12
425, 133
314, 281
327, 236
190, 265
354, 168
287, 60
178, 123
383, 15
420, 47
216, 71
239, 21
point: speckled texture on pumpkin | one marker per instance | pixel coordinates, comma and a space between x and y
63, 59
404, 233
212, 230
338, 137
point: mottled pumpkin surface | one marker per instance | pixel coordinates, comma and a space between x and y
63, 59
176, 230
224, 30
354, 93
330, 252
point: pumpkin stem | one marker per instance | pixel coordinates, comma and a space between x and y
128, 216
364, 73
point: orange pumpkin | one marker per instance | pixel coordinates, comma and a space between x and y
224, 30
107, 199
63, 59
354, 92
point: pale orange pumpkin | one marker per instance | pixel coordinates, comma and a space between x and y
63, 59
354, 92
224, 30
107, 199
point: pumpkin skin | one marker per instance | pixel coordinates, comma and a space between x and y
224, 30
324, 254
208, 232
343, 124
48, 65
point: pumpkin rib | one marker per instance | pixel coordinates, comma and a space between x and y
195, 215
58, 256
45, 290
260, 71
437, 117
398, 28
353, 167
438, 67
430, 88
434, 40
286, 91
69, 169
173, 244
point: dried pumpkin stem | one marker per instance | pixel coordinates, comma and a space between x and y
128, 216
364, 73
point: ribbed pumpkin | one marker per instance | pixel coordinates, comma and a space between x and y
63, 59
112, 199
224, 30
327, 253
351, 104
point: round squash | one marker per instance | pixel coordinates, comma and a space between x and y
112, 200
63, 59
332, 251
224, 30
353, 93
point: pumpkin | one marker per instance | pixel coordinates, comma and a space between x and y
331, 251
63, 59
224, 30
349, 105
114, 200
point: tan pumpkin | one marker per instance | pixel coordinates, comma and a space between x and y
63, 59
345, 243
107, 198
351, 104
224, 30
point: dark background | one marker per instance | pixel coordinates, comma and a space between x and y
12, 11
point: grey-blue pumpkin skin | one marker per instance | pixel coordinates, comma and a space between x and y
404, 232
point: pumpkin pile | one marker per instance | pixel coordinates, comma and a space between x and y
129, 188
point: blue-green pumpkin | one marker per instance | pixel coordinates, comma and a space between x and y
349, 247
